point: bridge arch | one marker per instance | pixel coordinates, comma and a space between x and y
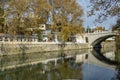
97, 42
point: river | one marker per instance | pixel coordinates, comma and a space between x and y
86, 64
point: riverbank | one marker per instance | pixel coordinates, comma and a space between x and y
10, 48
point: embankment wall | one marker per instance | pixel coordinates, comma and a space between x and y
9, 48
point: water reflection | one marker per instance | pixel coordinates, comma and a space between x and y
65, 65
105, 57
109, 57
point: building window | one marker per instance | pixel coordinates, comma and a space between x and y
86, 38
0, 38
86, 56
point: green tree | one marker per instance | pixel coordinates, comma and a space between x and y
88, 30
117, 28
39, 35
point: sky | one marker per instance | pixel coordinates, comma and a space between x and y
90, 21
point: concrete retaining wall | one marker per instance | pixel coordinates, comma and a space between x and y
9, 48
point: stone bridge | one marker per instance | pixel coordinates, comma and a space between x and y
94, 38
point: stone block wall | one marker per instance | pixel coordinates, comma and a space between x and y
9, 48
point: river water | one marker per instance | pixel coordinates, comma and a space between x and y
86, 64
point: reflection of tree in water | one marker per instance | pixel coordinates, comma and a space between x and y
70, 71
65, 70
22, 55
33, 72
22, 58
3, 61
3, 49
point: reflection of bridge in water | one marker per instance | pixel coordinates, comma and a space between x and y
87, 57
78, 56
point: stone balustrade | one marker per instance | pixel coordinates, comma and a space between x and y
17, 38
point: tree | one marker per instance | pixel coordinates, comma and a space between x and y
15, 16
66, 16
117, 26
25, 14
105, 7
88, 30
41, 9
